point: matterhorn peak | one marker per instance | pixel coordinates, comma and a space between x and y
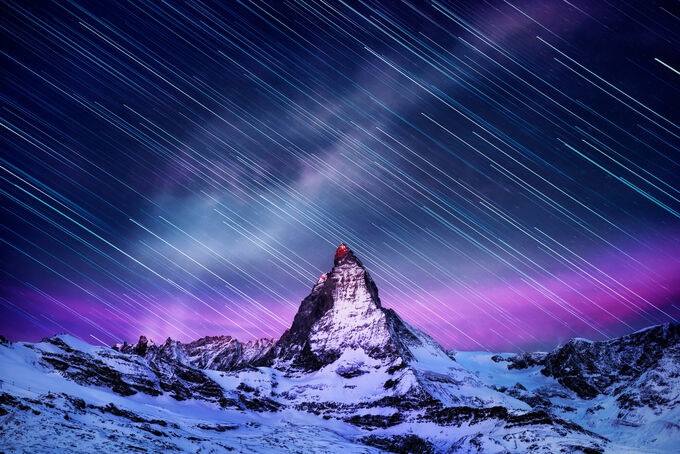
341, 252
350, 281
344, 255
342, 313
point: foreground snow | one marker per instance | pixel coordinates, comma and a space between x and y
45, 411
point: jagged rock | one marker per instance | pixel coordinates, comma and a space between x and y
593, 368
342, 312
411, 444
525, 360
211, 352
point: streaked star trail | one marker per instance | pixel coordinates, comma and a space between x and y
507, 170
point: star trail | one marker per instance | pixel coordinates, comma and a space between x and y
508, 171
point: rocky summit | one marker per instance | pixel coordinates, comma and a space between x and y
349, 375
342, 314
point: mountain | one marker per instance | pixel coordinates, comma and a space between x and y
342, 328
210, 352
349, 375
627, 388
609, 367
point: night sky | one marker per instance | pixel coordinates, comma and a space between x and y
508, 171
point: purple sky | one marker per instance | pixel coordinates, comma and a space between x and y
612, 301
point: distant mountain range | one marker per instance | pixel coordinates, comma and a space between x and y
349, 375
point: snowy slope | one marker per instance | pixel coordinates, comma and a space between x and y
43, 411
44, 408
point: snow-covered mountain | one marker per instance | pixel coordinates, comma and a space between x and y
349, 375
342, 328
626, 389
211, 352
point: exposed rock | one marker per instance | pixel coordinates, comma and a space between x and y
411, 444
211, 352
592, 368
525, 360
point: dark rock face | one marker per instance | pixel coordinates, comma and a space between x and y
525, 360
411, 444
294, 344
372, 421
592, 368
348, 290
533, 399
